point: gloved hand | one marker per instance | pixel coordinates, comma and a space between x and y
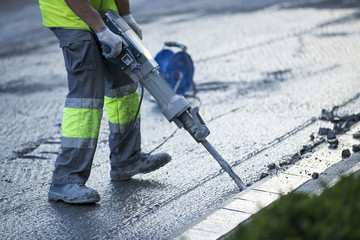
133, 24
111, 43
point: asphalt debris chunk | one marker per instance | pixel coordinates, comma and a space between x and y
263, 175
271, 166
324, 131
331, 134
333, 146
284, 163
315, 175
346, 153
356, 135
356, 148
341, 124
334, 141
312, 137
305, 149
327, 115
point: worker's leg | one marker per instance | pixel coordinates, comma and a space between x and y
122, 103
82, 115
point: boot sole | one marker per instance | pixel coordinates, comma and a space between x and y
52, 196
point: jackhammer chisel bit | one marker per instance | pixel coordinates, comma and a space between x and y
174, 107
223, 164
195, 125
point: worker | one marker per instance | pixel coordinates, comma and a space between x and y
94, 82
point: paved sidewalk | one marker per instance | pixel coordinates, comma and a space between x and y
222, 220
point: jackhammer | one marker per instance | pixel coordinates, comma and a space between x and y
136, 61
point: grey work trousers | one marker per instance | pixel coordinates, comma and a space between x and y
91, 78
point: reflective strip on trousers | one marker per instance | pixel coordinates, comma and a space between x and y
122, 110
81, 122
123, 128
121, 91
78, 142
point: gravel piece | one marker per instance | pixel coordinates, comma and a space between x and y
271, 166
345, 125
336, 119
356, 148
356, 135
333, 146
346, 153
263, 175
315, 175
305, 149
312, 137
324, 131
327, 115
333, 141
331, 134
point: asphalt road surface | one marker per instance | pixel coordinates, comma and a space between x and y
265, 72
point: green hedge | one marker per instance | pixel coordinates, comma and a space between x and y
335, 214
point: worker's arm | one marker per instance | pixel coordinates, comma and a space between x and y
123, 7
87, 13
110, 41
124, 11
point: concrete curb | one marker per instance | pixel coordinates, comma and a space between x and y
225, 218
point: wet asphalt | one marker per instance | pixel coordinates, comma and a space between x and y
266, 72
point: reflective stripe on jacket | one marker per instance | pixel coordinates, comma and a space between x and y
56, 13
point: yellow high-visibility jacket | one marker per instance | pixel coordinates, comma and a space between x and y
56, 13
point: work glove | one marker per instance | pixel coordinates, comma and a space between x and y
111, 43
128, 18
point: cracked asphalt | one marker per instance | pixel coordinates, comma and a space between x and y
265, 72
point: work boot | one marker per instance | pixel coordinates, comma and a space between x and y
73, 193
143, 163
